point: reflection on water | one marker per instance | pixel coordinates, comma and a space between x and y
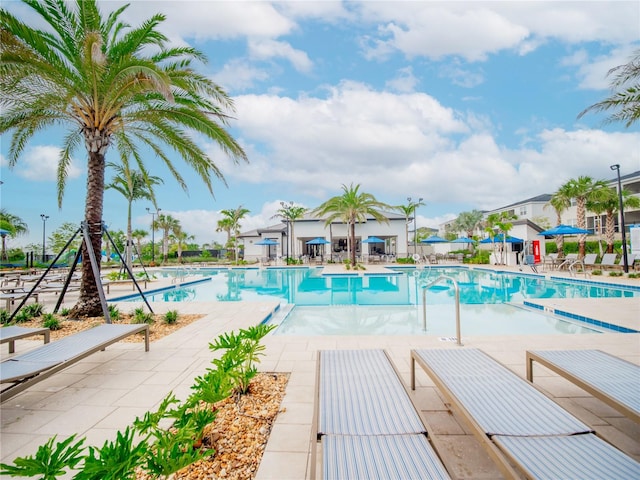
308, 286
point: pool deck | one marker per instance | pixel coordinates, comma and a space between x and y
104, 392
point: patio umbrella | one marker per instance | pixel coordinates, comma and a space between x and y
267, 241
373, 240
498, 239
434, 239
463, 240
564, 230
318, 241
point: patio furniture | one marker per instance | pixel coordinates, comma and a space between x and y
366, 422
31, 367
608, 260
611, 379
12, 333
568, 260
516, 423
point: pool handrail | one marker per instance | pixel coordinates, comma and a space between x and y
456, 289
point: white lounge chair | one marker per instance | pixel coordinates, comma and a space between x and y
518, 424
611, 379
366, 423
608, 260
24, 370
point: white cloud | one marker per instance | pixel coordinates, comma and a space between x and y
238, 75
405, 81
40, 163
592, 72
268, 49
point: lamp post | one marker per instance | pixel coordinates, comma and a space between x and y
625, 261
415, 222
153, 234
44, 224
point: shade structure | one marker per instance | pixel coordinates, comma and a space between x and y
463, 240
318, 241
434, 239
4, 232
499, 239
267, 241
564, 230
373, 240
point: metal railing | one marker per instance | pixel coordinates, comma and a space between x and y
456, 289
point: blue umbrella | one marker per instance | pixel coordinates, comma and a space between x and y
498, 239
267, 241
463, 240
434, 239
564, 230
373, 240
318, 241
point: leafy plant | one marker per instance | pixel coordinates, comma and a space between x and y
634, 275
50, 321
615, 274
4, 316
65, 312
114, 313
48, 462
140, 316
22, 316
596, 272
244, 350
171, 317
33, 309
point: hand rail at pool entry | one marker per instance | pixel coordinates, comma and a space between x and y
456, 288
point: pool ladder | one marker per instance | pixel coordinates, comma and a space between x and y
456, 289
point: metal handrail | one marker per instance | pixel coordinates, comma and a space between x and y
456, 289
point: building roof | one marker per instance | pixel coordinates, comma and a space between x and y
544, 198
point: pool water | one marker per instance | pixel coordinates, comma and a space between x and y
391, 304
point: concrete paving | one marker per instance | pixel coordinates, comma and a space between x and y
103, 393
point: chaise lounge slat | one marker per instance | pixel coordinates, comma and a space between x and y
380, 457
610, 379
12, 333
514, 421
357, 385
31, 367
366, 422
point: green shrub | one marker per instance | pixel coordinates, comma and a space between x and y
22, 316
615, 274
33, 310
171, 317
65, 312
634, 275
596, 272
50, 321
114, 313
4, 316
140, 316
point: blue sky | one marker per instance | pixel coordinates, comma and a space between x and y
465, 104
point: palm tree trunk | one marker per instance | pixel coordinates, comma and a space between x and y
128, 249
88, 304
165, 245
353, 243
582, 239
610, 230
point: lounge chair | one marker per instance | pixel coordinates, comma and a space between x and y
608, 260
366, 422
12, 333
31, 367
610, 379
518, 424
566, 261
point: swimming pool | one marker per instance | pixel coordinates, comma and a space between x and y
391, 304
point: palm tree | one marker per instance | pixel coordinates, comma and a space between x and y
606, 201
180, 237
290, 213
352, 207
560, 201
133, 185
138, 235
233, 220
226, 225
468, 222
110, 84
409, 210
500, 223
166, 223
582, 189
625, 94
11, 226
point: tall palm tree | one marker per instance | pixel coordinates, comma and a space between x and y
11, 226
560, 201
606, 201
289, 212
582, 189
500, 223
166, 223
225, 225
352, 207
409, 211
133, 185
625, 94
112, 85
180, 237
138, 234
233, 220
468, 222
